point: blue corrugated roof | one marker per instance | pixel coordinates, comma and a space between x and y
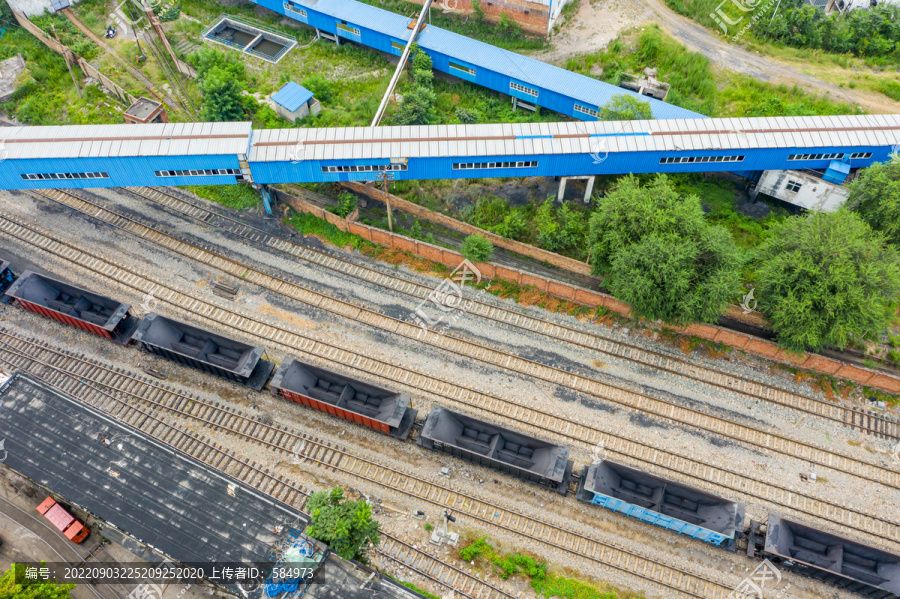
292, 96
522, 68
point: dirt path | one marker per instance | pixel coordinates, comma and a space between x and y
598, 23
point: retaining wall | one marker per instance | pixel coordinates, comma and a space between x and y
748, 343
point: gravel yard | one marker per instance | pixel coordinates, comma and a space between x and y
395, 508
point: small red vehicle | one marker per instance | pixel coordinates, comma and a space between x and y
67, 524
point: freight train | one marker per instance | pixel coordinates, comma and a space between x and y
692, 512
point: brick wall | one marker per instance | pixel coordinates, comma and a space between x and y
532, 16
489, 270
512, 245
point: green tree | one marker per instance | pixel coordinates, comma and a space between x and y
624, 107
827, 279
476, 248
417, 107
513, 225
345, 526
422, 68
208, 57
875, 196
678, 279
558, 230
221, 95
658, 253
31, 589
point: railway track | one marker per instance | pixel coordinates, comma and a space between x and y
491, 356
149, 422
303, 446
658, 461
871, 423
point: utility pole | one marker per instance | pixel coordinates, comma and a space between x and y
386, 177
66, 60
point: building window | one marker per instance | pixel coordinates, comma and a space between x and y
860, 155
50, 176
586, 110
793, 185
463, 68
363, 168
521, 88
296, 9
398, 46
816, 156
344, 27
689, 159
462, 166
199, 173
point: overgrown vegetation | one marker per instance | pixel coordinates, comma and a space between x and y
347, 527
476, 248
31, 589
417, 107
875, 196
238, 197
658, 253
697, 86
309, 224
507, 565
869, 33
49, 97
346, 205
827, 279
622, 107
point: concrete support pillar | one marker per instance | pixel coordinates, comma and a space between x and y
588, 189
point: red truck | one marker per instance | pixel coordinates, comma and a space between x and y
67, 524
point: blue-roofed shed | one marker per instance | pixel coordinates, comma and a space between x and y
293, 101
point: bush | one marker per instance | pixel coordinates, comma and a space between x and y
827, 279
86, 49
345, 526
476, 248
346, 204
322, 88
659, 254
31, 589
624, 107
476, 549
238, 197
875, 196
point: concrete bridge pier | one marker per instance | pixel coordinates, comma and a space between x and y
587, 190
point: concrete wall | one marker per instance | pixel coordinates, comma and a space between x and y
748, 343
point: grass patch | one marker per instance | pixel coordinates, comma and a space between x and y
720, 197
50, 97
308, 224
696, 85
890, 88
414, 588
507, 565
238, 197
